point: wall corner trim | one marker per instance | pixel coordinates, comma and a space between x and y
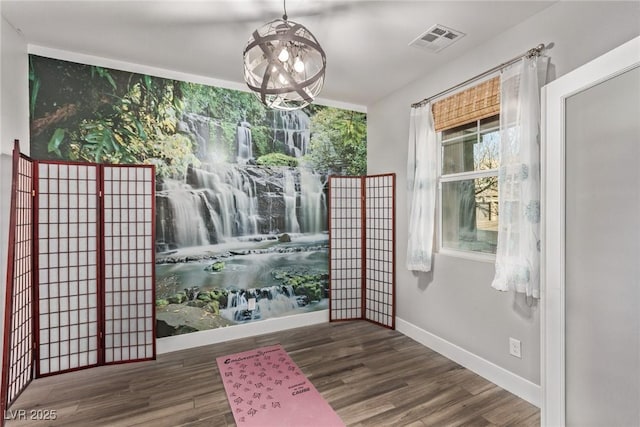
509, 381
213, 336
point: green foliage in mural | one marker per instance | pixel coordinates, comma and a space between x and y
108, 117
262, 140
34, 83
139, 127
338, 142
277, 159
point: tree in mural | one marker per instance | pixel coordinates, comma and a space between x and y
338, 142
106, 117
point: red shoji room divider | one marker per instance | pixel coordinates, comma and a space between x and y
362, 248
80, 282
19, 336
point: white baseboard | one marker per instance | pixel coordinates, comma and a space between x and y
212, 336
509, 381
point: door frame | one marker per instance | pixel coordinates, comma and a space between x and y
552, 313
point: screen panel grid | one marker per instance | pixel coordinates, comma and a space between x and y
345, 230
67, 267
18, 371
129, 263
379, 273
362, 248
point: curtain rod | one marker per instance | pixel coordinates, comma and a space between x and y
536, 51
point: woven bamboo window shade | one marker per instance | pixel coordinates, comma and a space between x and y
478, 102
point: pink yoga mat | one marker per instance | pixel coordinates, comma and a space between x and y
266, 388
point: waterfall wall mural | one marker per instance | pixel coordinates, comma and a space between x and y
241, 189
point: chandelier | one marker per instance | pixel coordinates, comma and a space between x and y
284, 64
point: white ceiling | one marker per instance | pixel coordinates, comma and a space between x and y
366, 42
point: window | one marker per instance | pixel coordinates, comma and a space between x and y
469, 162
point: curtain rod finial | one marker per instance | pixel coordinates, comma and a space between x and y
536, 51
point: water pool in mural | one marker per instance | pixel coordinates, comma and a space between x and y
241, 231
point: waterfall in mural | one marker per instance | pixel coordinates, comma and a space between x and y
290, 197
314, 207
271, 301
223, 201
198, 126
188, 227
243, 143
220, 200
211, 206
293, 128
231, 195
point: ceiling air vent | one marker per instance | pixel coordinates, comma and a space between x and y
437, 38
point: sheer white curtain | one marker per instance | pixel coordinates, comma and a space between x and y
518, 252
422, 175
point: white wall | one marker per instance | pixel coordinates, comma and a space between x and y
14, 124
455, 302
14, 83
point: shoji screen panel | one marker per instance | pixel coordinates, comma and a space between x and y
362, 248
345, 247
129, 308
17, 367
67, 267
379, 242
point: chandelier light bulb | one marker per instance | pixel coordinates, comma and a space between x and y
284, 55
298, 65
282, 79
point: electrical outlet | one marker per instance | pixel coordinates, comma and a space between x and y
251, 304
515, 348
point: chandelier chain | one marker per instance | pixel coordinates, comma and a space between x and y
284, 6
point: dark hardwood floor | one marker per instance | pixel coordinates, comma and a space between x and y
371, 376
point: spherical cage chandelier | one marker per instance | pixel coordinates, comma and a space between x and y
284, 65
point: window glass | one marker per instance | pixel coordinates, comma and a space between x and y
470, 214
458, 154
486, 153
492, 123
469, 186
473, 152
459, 131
